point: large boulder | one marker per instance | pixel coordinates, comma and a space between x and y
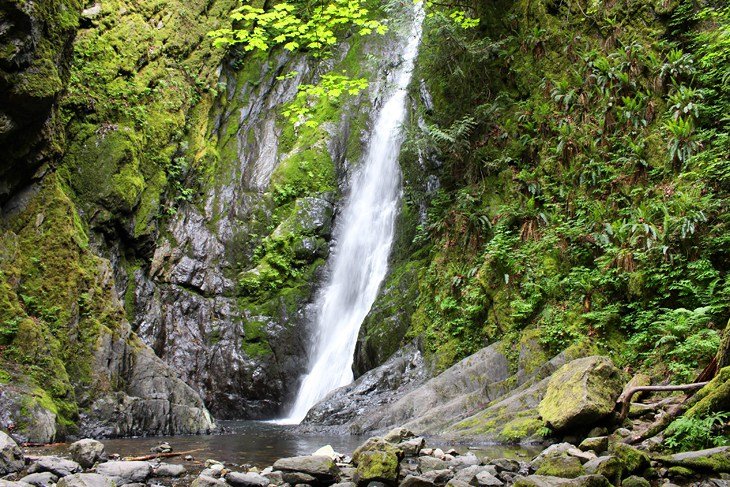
581, 393
125, 472
377, 466
321, 467
87, 452
11, 456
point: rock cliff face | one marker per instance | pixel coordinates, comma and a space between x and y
162, 265
35, 55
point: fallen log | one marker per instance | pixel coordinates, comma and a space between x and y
624, 399
161, 455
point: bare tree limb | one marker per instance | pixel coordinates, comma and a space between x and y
625, 398
160, 455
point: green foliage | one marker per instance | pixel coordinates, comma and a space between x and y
584, 181
296, 27
690, 433
313, 29
331, 87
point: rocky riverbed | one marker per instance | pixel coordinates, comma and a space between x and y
398, 458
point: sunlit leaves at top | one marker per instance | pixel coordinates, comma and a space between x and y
284, 25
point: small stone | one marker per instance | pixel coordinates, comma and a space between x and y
505, 464
86, 480
598, 444
169, 470
457, 483
556, 450
205, 481
210, 462
608, 466
91, 12
438, 453
583, 456
464, 461
327, 451
275, 477
431, 463
295, 478
486, 479
452, 452
412, 447
237, 479
161, 448
398, 435
469, 474
416, 481
635, 481
426, 451
189, 458
438, 477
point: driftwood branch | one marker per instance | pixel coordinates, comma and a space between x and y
625, 398
160, 455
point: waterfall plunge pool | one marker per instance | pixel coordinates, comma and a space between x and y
260, 444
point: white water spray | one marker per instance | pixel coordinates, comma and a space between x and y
363, 240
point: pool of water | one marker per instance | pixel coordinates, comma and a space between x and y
261, 444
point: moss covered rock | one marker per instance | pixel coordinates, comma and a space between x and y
581, 393
377, 466
561, 466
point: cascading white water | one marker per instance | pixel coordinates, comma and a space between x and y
364, 237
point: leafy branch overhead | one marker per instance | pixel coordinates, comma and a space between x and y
296, 28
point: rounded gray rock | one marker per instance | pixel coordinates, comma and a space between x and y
11, 456
87, 452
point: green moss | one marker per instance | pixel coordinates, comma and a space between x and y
632, 459
680, 472
714, 397
255, 341
520, 429
377, 466
561, 466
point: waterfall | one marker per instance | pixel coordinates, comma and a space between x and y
363, 237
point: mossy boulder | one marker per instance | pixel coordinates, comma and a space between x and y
609, 466
632, 459
377, 466
709, 460
561, 466
376, 443
635, 481
581, 393
597, 444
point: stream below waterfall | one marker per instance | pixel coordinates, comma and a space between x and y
260, 444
